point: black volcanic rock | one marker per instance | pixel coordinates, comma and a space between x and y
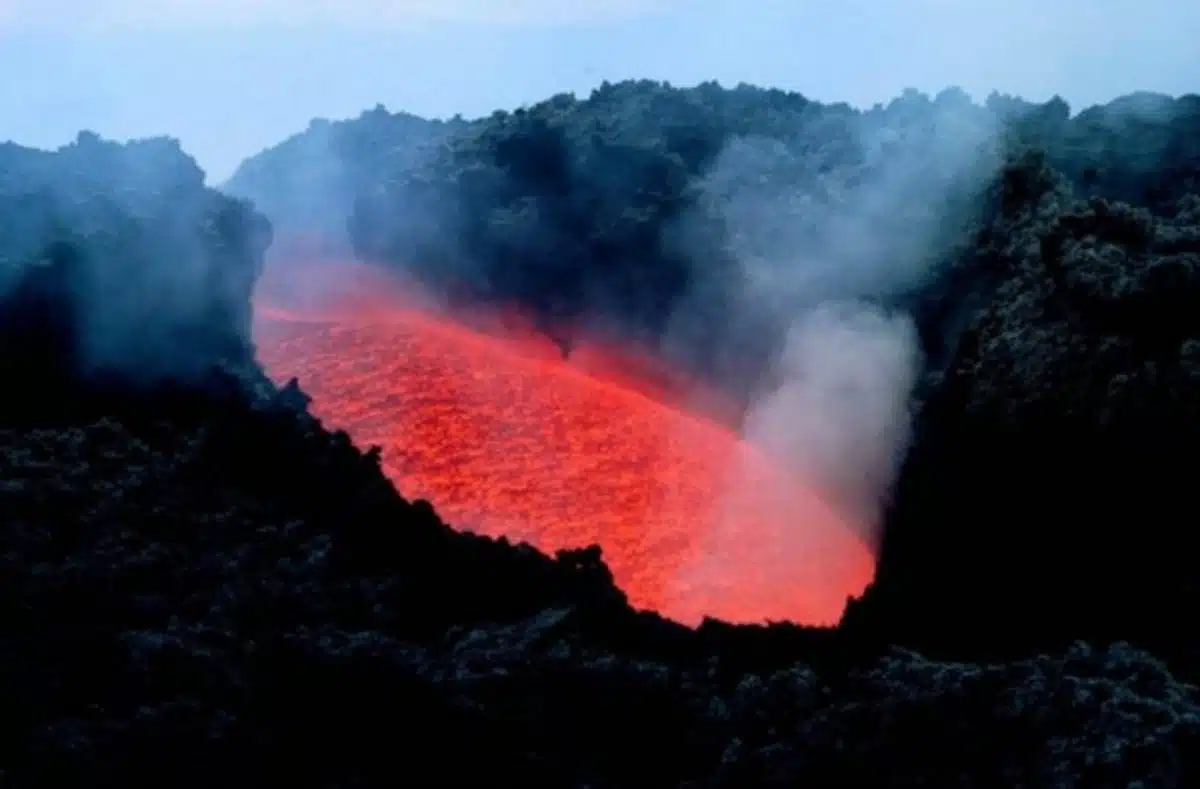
644, 208
203, 585
116, 263
1047, 495
186, 607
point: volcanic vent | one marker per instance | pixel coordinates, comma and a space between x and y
506, 437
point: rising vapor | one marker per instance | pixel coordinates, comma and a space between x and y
822, 267
841, 416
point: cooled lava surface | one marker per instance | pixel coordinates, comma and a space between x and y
506, 437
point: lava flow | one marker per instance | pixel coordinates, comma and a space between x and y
506, 437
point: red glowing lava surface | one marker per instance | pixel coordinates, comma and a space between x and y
505, 437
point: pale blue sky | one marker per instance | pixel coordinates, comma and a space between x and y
229, 77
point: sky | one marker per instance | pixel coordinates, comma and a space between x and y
231, 77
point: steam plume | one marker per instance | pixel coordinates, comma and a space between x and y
840, 416
823, 264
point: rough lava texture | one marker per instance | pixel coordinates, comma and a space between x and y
247, 600
204, 585
653, 206
1049, 485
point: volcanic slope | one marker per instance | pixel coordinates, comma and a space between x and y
509, 439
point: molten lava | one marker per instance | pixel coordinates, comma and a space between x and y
506, 437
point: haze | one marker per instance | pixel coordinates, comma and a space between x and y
230, 77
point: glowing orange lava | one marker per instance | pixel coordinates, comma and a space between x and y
506, 437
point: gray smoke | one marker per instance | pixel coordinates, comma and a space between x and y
146, 271
824, 253
840, 415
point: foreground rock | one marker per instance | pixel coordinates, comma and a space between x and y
1050, 482
247, 600
204, 586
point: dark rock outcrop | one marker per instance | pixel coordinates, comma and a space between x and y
204, 585
117, 265
1048, 495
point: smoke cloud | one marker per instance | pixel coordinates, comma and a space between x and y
786, 280
825, 265
117, 261
841, 415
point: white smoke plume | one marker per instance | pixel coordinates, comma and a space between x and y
822, 263
841, 416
